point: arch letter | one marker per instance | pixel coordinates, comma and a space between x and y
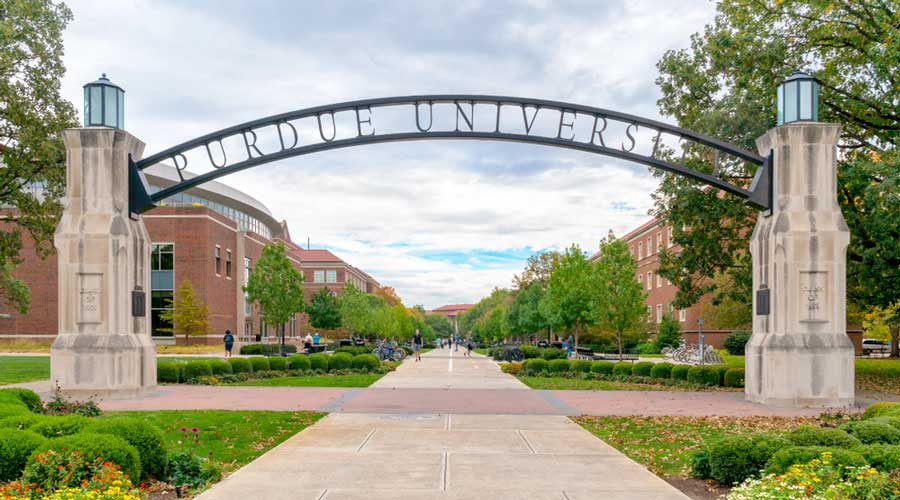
468, 119
181, 167
359, 122
322, 131
209, 154
528, 124
630, 137
599, 133
430, 117
563, 123
251, 146
281, 136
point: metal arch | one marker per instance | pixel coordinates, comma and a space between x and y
758, 194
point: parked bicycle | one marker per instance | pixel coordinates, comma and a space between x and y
388, 350
691, 354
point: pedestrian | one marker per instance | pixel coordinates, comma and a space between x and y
469, 345
456, 343
229, 343
307, 343
417, 345
315, 338
570, 346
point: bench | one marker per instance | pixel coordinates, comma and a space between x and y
614, 356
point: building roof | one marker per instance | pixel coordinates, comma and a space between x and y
453, 308
316, 255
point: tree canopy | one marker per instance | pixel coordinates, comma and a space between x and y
188, 314
323, 310
276, 286
618, 299
569, 302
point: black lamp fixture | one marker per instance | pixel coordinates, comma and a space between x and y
104, 104
798, 99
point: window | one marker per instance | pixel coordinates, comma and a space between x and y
247, 262
292, 331
641, 280
649, 280
248, 330
649, 313
671, 237
632, 251
681, 315
640, 249
227, 263
218, 261
319, 277
658, 241
658, 281
331, 277
649, 246
659, 312
162, 286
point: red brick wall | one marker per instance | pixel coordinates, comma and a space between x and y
40, 276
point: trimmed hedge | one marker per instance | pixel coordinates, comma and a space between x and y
807, 435
29, 397
267, 348
21, 422
368, 362
535, 365
661, 370
736, 343
873, 432
219, 367
553, 353
882, 409
530, 351
146, 438
680, 372
354, 350
580, 366
721, 370
642, 368
602, 367
168, 373
16, 447
782, 460
340, 361
298, 362
558, 366
277, 363
883, 457
703, 375
195, 369
622, 368
318, 361
259, 363
736, 458
64, 425
93, 446
10, 404
240, 365
734, 377
892, 421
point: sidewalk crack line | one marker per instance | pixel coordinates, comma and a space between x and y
366, 440
527, 443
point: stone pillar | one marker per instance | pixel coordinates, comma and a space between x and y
102, 348
799, 354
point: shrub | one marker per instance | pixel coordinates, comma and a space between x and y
669, 334
298, 362
700, 464
248, 349
648, 348
580, 366
259, 363
734, 459
29, 397
661, 370
553, 353
146, 439
365, 362
820, 478
319, 362
219, 367
883, 457
65, 425
194, 369
881, 410
642, 369
92, 446
680, 372
340, 361
558, 366
21, 422
168, 373
892, 421
511, 367
703, 375
354, 350
530, 351
734, 377
782, 460
277, 363
807, 435
535, 366
602, 367
190, 470
10, 404
872, 432
736, 343
240, 365
622, 369
721, 370
16, 446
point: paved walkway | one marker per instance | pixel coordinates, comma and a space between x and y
430, 453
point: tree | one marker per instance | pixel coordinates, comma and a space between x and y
355, 312
188, 313
525, 315
389, 295
724, 86
619, 298
669, 333
276, 286
537, 270
323, 310
32, 117
883, 323
569, 302
440, 325
469, 321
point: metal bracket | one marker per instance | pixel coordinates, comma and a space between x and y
761, 186
139, 200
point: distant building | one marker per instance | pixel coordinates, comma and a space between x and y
452, 312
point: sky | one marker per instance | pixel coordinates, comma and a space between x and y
441, 221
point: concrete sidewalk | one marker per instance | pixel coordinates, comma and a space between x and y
437, 455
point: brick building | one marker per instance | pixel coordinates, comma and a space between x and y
452, 312
211, 235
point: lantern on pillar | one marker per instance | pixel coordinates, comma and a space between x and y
104, 104
798, 99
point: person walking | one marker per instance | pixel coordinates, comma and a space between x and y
456, 343
229, 343
307, 343
417, 345
469, 345
570, 346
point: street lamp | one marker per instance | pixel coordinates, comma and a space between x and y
798, 99
700, 337
104, 104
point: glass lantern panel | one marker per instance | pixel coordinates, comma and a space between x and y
806, 100
790, 102
121, 108
109, 107
815, 102
96, 106
87, 105
779, 103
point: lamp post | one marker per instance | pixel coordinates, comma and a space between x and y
104, 104
798, 99
700, 338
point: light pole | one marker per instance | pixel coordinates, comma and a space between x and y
700, 338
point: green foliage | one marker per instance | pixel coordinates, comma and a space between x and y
553, 353
872, 432
535, 366
16, 446
661, 370
618, 300
647, 348
783, 459
734, 377
11, 404
807, 435
267, 348
736, 458
318, 362
440, 325
680, 372
188, 313
276, 286
883, 457
33, 115
92, 446
146, 438
580, 366
479, 316
570, 301
602, 367
700, 468
882, 409
298, 362
356, 309
218, 366
189, 470
530, 351
558, 366
703, 375
642, 368
525, 315
354, 350
65, 425
736, 342
669, 333
323, 310
259, 363
240, 365
168, 373
622, 369
365, 362
195, 369
340, 361
22, 421
29, 397
721, 370
277, 363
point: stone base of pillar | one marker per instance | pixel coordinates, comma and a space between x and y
103, 365
800, 370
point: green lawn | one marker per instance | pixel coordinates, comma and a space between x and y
356, 380
566, 384
15, 369
230, 438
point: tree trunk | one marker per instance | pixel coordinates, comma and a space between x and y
619, 340
895, 334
